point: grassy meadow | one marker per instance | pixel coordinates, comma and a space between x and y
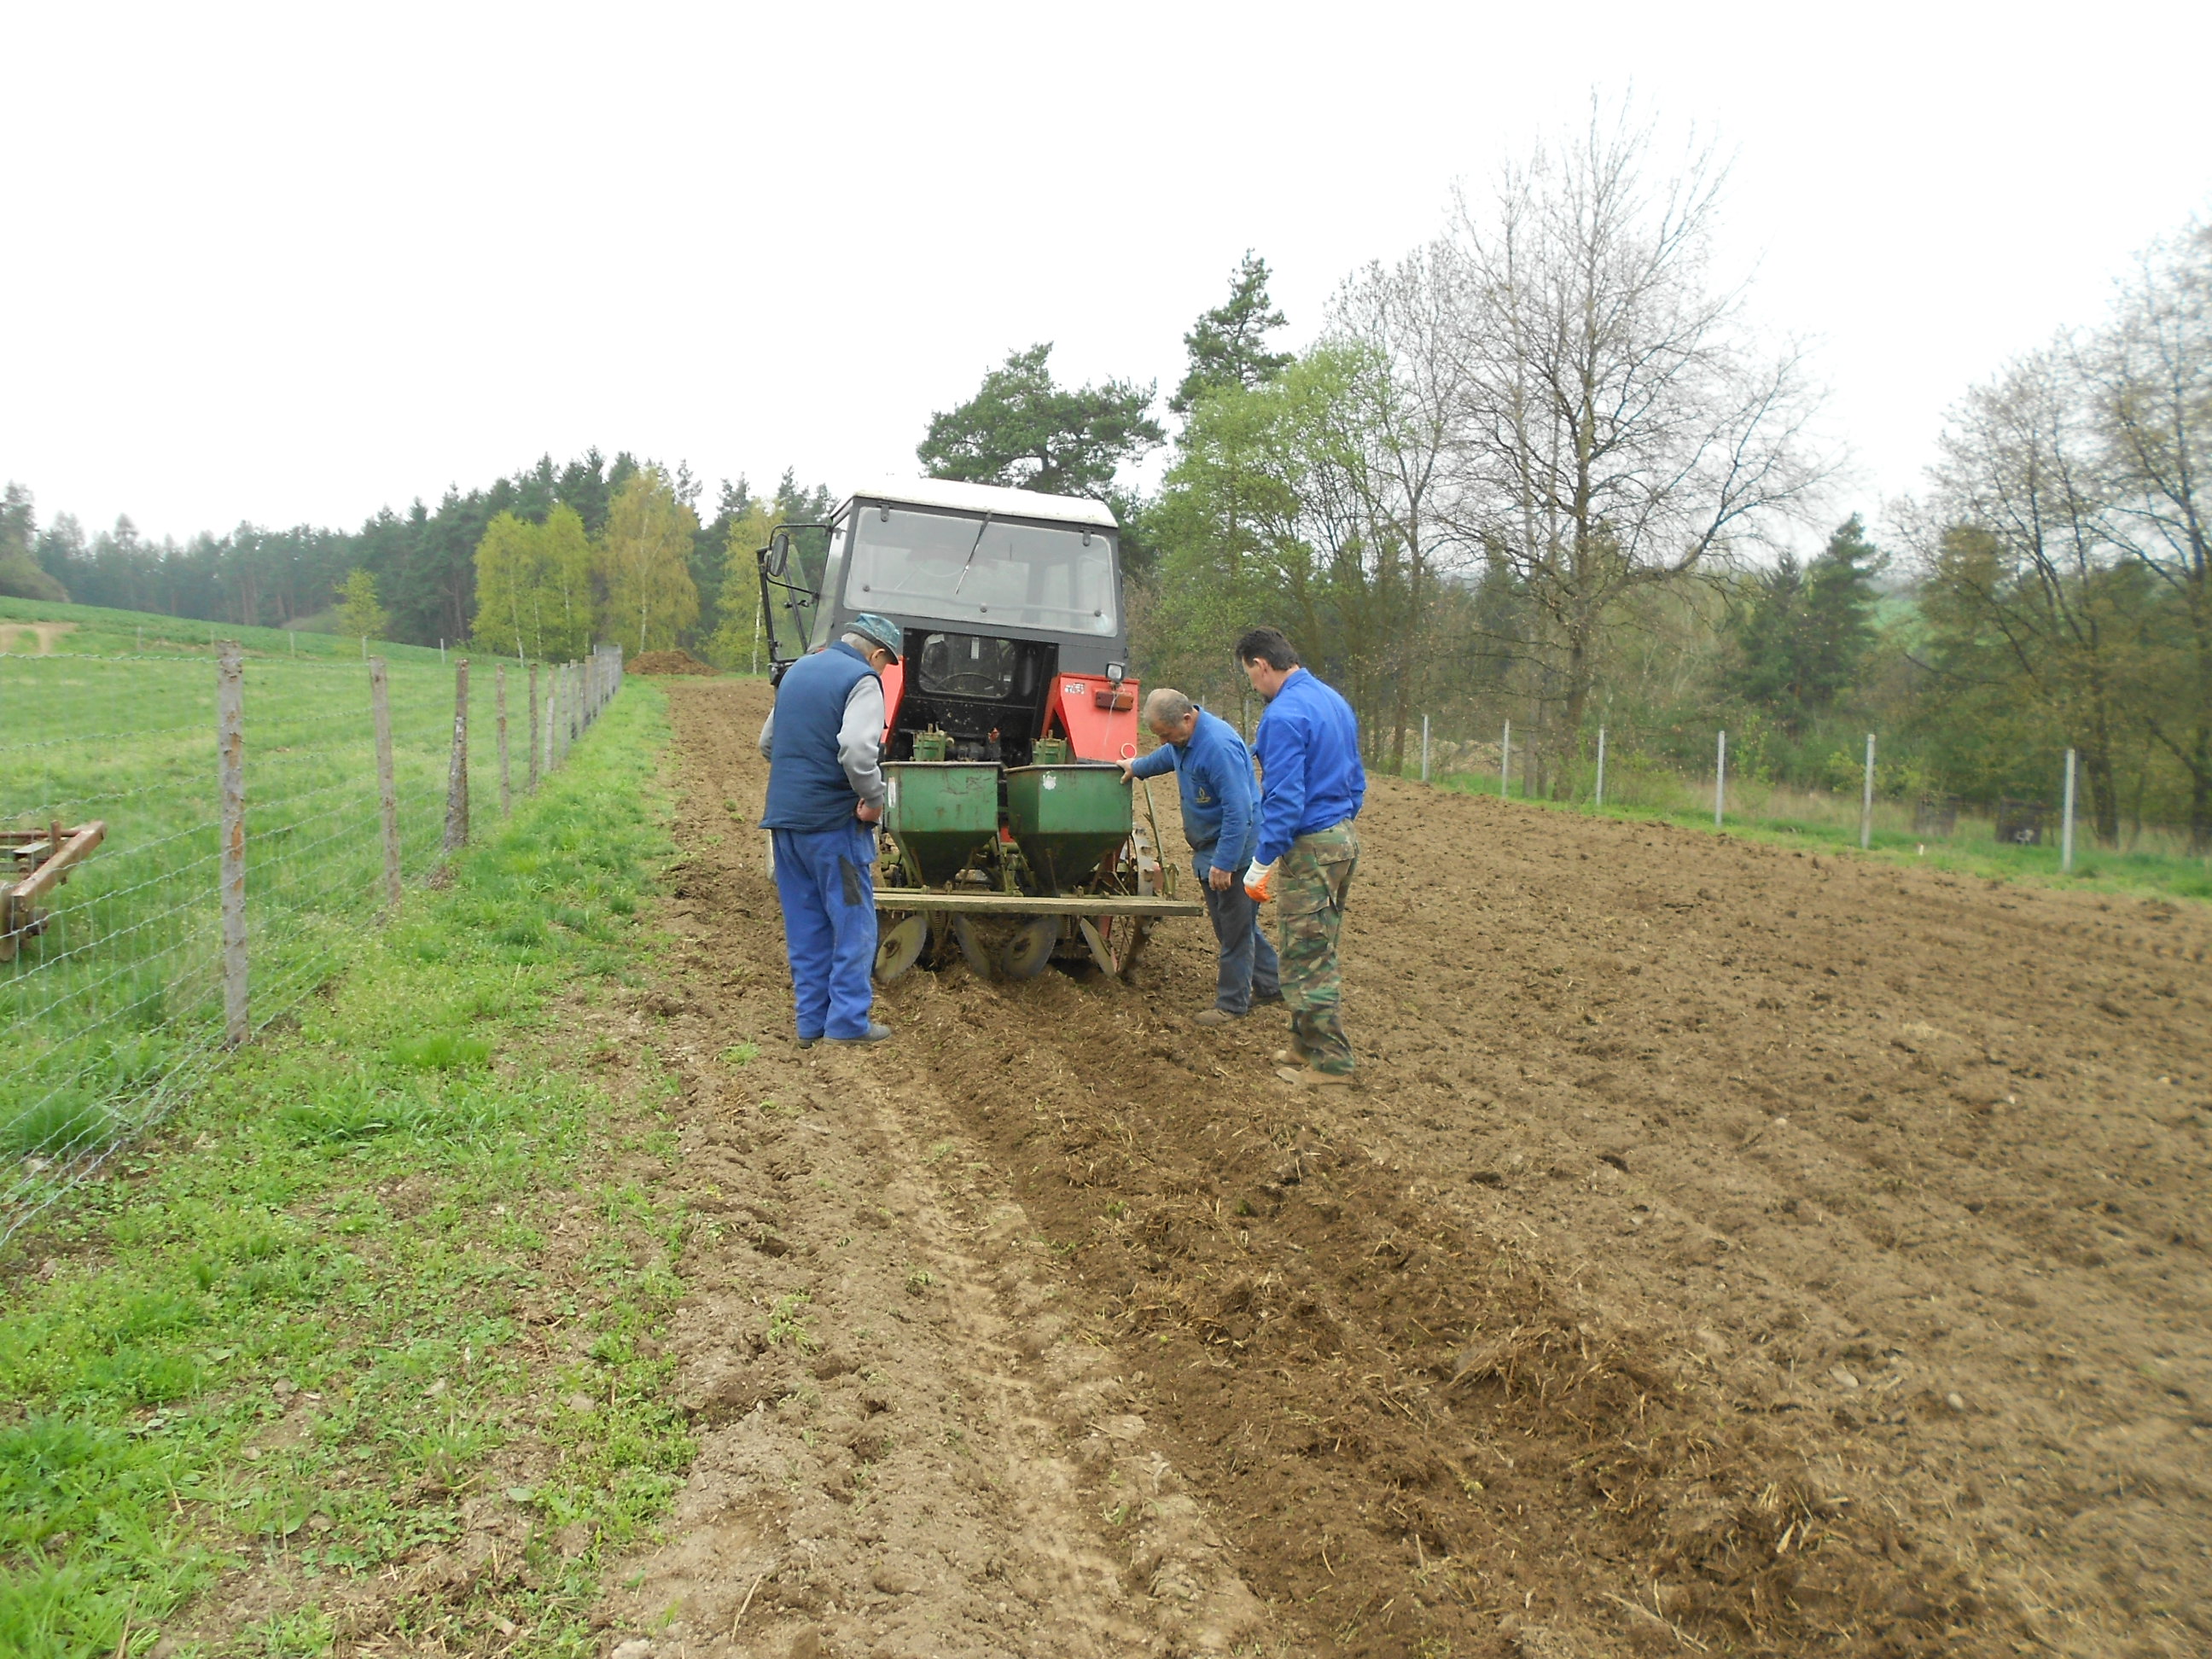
382, 1285
115, 1009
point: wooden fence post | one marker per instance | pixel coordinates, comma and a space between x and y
387, 795
230, 751
533, 728
499, 704
457, 769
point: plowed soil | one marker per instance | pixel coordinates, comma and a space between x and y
1726, 1249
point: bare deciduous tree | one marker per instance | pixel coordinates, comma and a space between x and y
1620, 423
2151, 370
2024, 584
1402, 319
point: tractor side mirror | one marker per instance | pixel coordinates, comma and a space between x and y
777, 558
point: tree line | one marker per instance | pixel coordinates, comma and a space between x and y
1548, 468
540, 563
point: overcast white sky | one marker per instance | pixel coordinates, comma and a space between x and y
291, 264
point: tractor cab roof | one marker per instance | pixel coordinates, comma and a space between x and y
947, 495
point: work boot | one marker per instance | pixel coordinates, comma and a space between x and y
877, 1032
1215, 1018
1267, 999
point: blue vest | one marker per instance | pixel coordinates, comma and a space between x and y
806, 787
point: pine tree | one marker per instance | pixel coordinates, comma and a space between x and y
1023, 431
1801, 640
1228, 344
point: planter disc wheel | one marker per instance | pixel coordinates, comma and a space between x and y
1024, 955
900, 947
971, 948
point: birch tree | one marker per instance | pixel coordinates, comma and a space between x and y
644, 561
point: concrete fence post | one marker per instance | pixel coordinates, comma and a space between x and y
1720, 780
1866, 800
1597, 799
230, 756
2066, 830
499, 710
1506, 762
387, 793
457, 766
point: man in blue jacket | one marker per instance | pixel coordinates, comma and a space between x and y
824, 742
1221, 821
1311, 787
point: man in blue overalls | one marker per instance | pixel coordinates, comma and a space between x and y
824, 742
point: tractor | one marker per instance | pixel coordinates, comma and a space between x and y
1009, 838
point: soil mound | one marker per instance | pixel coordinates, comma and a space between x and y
667, 662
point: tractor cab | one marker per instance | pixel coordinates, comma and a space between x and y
1011, 606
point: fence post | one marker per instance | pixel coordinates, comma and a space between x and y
2066, 834
499, 705
1720, 780
1597, 800
1425, 749
1505, 763
387, 796
230, 752
1866, 800
532, 770
457, 768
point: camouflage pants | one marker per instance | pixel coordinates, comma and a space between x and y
1310, 884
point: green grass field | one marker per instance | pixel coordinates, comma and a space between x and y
287, 1337
115, 1010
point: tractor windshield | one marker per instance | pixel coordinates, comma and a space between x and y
916, 563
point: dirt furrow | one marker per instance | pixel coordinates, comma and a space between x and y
1725, 1246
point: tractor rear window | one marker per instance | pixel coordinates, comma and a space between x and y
1009, 575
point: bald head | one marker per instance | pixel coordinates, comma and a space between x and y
1167, 709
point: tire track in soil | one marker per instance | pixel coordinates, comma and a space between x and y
1726, 1247
901, 1451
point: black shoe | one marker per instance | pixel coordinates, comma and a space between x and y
877, 1032
808, 1042
1272, 1001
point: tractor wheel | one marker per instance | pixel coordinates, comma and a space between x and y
1024, 955
900, 947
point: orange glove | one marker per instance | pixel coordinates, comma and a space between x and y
1260, 882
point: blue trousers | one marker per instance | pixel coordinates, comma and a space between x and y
826, 880
1247, 967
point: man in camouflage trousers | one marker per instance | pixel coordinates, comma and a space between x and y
1311, 786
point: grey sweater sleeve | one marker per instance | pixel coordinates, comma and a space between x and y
768, 735
860, 740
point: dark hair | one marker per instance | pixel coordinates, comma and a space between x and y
1268, 646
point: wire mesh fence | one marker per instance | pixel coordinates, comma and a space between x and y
1869, 791
117, 994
